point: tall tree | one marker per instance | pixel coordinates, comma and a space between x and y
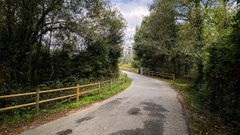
222, 71
155, 38
40, 39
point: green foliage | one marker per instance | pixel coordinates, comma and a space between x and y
128, 67
202, 120
155, 38
50, 44
48, 40
199, 39
222, 71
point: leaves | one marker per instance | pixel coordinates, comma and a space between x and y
50, 40
197, 38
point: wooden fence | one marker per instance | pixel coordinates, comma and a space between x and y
158, 74
94, 87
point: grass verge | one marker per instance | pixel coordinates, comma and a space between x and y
17, 123
127, 67
203, 122
104, 94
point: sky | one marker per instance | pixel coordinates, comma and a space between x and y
133, 12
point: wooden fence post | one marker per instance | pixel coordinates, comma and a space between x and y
174, 78
37, 101
125, 78
99, 87
111, 84
78, 90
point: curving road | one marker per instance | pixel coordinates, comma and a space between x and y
147, 107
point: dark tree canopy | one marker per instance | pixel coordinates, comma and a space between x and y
45, 40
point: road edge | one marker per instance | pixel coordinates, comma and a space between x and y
185, 110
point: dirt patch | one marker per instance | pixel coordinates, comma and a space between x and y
84, 119
134, 111
65, 132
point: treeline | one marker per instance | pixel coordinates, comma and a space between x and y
47, 40
199, 39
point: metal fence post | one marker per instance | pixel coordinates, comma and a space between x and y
78, 89
37, 101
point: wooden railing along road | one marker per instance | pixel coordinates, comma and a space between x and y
93, 87
158, 74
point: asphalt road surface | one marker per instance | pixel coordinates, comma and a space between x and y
147, 107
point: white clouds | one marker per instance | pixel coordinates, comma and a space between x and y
133, 11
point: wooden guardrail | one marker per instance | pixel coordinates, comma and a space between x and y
158, 74
96, 87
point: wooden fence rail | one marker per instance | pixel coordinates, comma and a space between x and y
97, 88
158, 74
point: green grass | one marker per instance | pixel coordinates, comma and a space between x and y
86, 100
104, 94
127, 67
203, 122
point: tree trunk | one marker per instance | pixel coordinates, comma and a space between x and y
199, 42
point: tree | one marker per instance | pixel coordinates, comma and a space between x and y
40, 39
198, 38
155, 38
222, 68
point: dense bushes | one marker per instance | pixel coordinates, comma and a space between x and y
200, 40
51, 40
222, 75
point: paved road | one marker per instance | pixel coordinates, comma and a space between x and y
147, 107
